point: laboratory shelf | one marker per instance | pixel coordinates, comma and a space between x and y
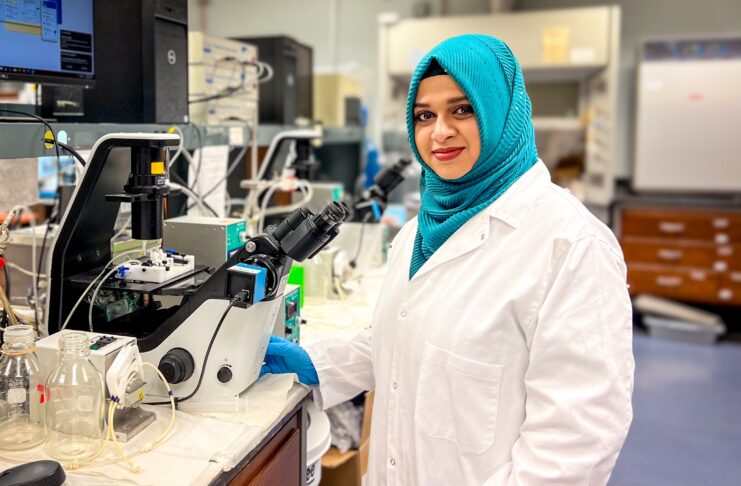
331, 135
23, 139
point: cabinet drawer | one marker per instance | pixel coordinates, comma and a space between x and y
730, 255
679, 283
730, 288
668, 252
718, 227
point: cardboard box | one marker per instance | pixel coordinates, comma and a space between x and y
349, 468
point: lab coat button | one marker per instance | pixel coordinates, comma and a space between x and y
392, 462
403, 313
394, 386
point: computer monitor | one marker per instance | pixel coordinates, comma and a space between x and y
47, 41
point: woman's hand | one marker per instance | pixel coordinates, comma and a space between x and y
284, 356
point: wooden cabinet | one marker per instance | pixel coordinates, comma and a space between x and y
280, 459
685, 254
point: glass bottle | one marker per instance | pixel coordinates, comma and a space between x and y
21, 391
75, 402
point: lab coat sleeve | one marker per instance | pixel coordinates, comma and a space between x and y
579, 379
344, 367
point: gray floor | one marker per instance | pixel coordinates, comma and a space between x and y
687, 416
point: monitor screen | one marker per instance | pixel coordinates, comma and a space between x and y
47, 41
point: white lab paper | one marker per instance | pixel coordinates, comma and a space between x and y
212, 170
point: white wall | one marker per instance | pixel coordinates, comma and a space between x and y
646, 19
311, 22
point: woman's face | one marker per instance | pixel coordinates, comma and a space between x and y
445, 127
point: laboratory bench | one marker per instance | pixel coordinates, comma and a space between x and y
265, 443
279, 457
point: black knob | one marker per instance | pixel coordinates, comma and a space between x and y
224, 374
177, 365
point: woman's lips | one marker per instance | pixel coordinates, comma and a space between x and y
447, 153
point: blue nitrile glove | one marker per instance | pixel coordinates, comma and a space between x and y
284, 356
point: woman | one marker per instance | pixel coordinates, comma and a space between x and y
500, 351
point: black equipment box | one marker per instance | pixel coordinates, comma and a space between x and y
141, 63
290, 94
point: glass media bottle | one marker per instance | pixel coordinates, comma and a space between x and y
75, 403
21, 391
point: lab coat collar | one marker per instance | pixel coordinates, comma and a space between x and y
511, 208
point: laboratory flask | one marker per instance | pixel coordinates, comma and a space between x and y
74, 402
21, 391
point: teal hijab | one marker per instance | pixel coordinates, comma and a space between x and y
489, 75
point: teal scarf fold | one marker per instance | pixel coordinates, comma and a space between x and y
489, 75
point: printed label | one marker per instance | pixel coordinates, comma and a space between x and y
16, 395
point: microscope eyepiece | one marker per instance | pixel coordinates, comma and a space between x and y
303, 233
332, 215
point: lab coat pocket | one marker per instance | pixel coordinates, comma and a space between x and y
457, 399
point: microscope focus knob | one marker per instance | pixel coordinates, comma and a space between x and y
224, 374
177, 365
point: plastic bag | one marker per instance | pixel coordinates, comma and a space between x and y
345, 423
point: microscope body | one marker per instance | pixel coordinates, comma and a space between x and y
207, 353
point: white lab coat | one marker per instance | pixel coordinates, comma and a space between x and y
506, 360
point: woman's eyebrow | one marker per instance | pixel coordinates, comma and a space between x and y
450, 102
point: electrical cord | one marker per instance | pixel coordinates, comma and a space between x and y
232, 166
24, 271
193, 165
123, 228
240, 296
69, 150
55, 210
16, 213
208, 349
230, 91
97, 289
199, 146
90, 285
53, 135
192, 195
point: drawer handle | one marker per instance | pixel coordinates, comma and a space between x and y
667, 281
670, 227
725, 251
736, 276
670, 255
721, 223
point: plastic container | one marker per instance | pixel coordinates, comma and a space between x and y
683, 331
21, 391
75, 402
317, 443
316, 279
